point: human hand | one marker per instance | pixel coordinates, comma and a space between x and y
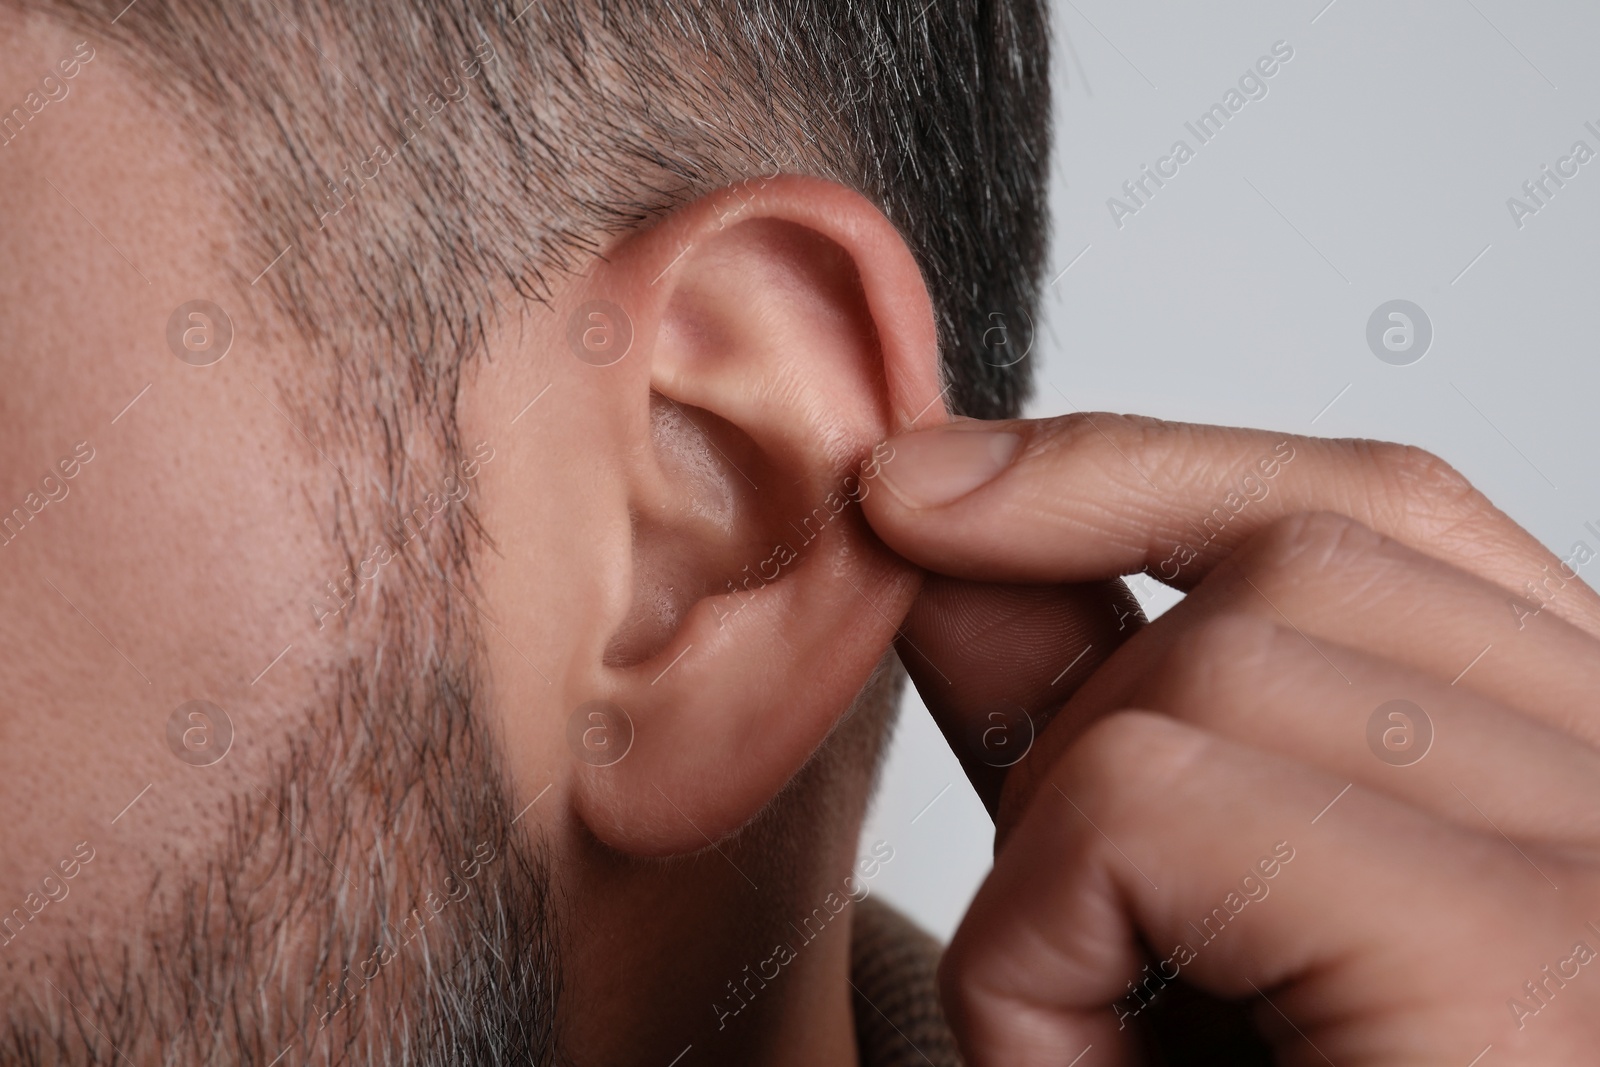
1228, 800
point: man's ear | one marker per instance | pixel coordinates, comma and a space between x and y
779, 331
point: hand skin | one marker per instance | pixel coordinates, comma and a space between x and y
1413, 914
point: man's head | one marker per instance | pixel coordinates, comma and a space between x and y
456, 399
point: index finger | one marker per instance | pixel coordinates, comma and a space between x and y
1090, 496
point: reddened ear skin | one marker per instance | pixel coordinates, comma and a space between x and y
780, 331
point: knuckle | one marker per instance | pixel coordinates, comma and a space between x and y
1413, 469
1127, 759
1414, 483
1209, 663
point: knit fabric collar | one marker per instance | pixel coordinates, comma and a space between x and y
894, 967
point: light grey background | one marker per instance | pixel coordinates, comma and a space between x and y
1378, 166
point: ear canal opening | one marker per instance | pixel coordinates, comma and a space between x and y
715, 512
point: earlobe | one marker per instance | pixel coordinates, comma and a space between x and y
783, 342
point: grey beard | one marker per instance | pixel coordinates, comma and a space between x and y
373, 903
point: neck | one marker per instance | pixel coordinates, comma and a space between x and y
727, 954
738, 954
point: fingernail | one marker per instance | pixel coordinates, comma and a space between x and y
935, 467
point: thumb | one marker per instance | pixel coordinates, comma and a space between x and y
994, 662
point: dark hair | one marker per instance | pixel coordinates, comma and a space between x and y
591, 118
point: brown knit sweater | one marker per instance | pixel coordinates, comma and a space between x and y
893, 969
